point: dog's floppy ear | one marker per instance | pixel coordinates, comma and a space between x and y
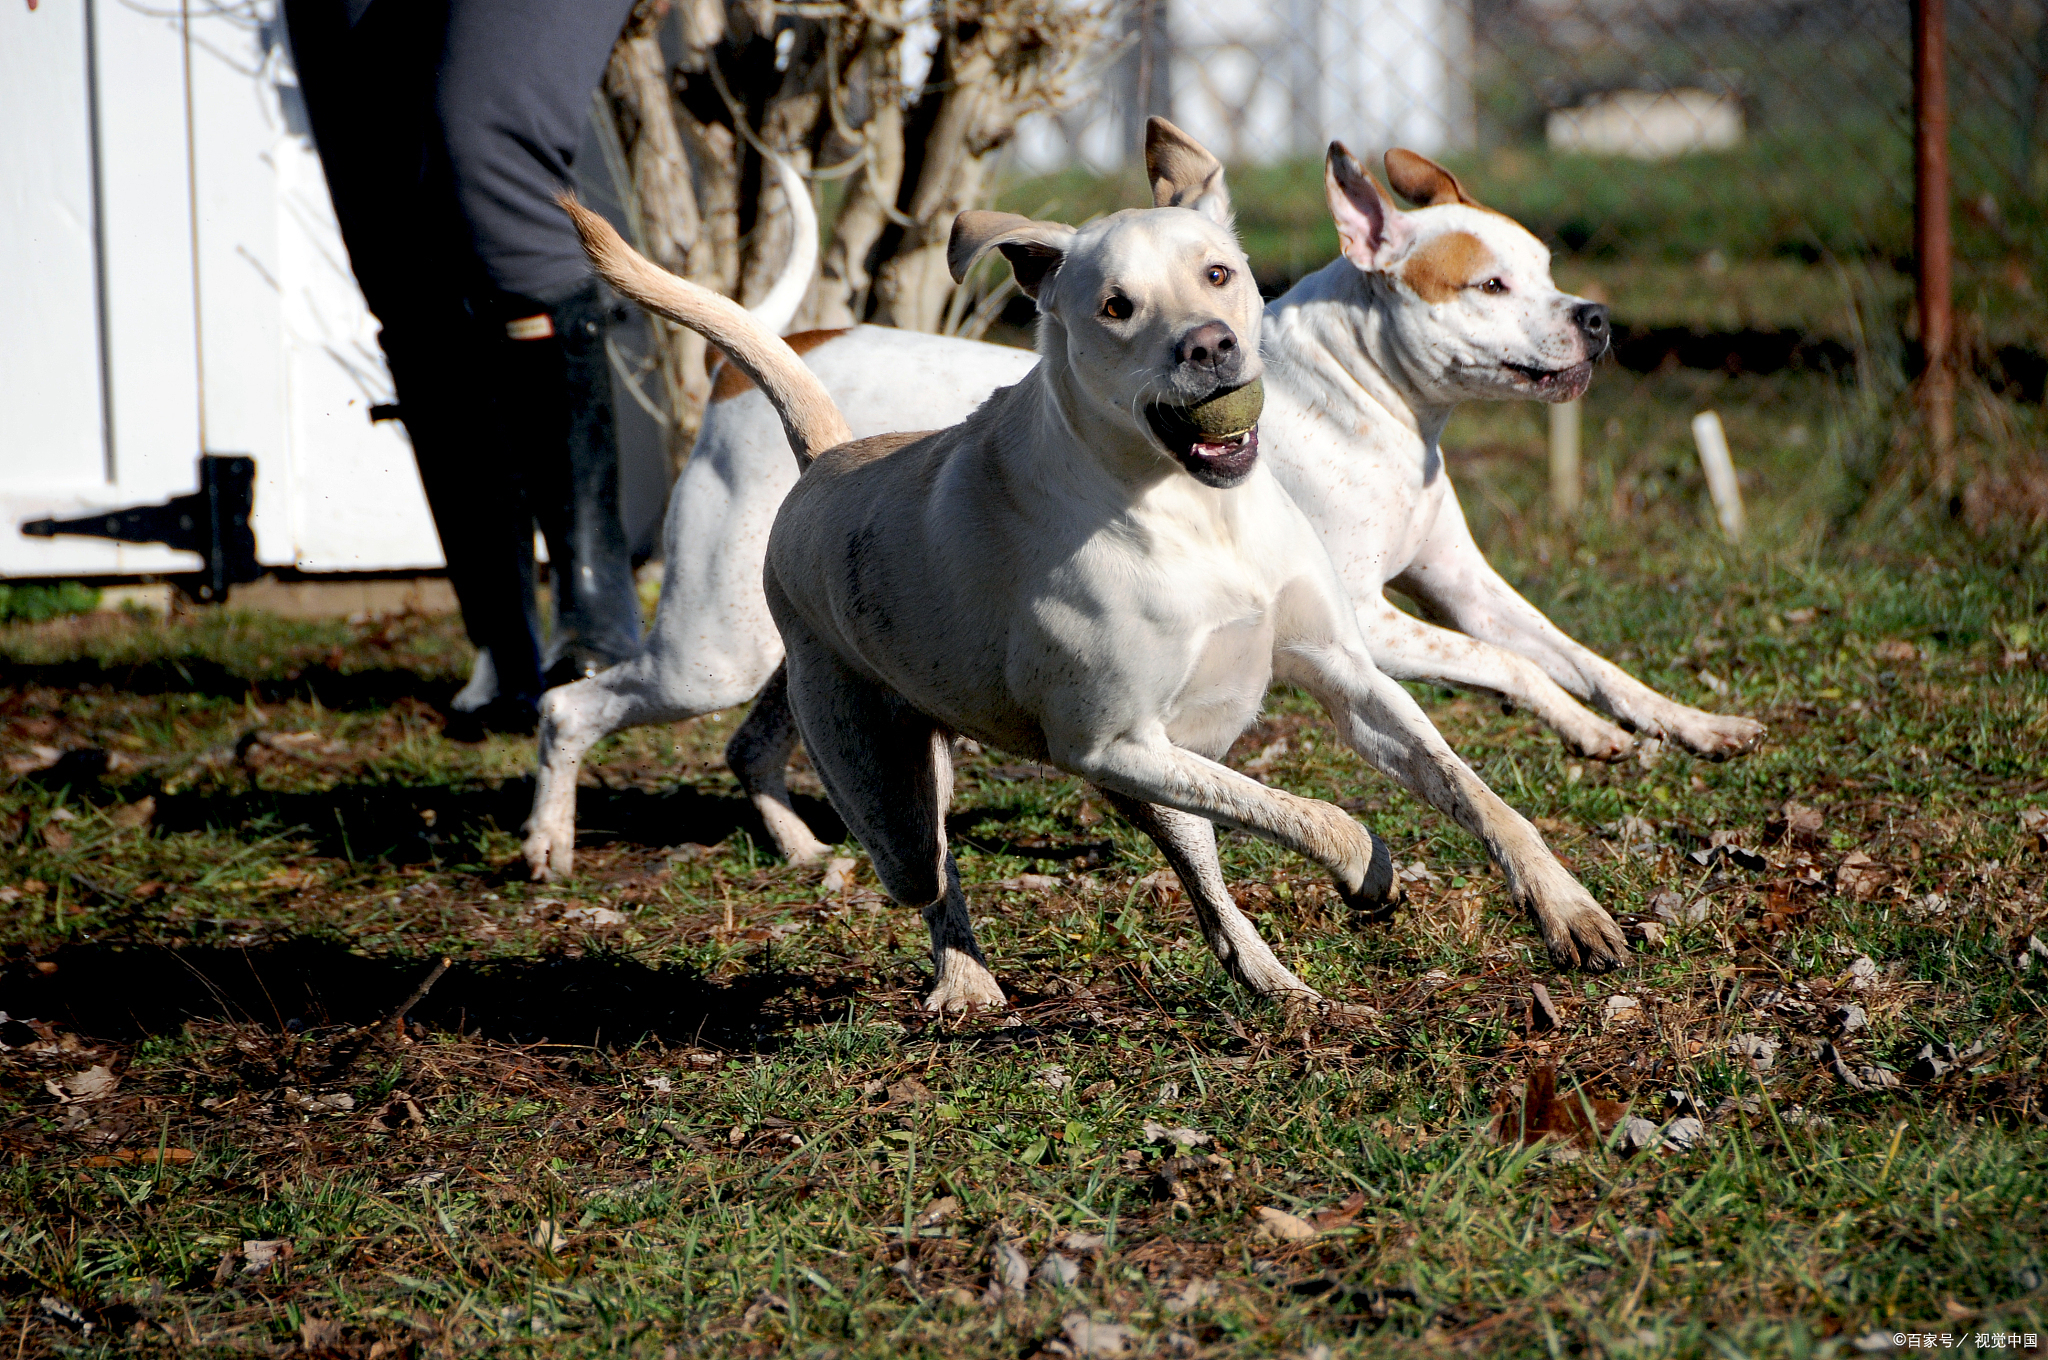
1423, 182
1035, 250
1183, 173
1370, 229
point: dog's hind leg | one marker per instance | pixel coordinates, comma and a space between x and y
574, 718
1189, 844
758, 755
889, 771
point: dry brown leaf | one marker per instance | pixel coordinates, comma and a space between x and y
1794, 824
1282, 1226
2034, 825
38, 758
91, 1084
1340, 1215
909, 1091
320, 1334
1861, 877
1539, 1113
1156, 1132
1086, 1337
177, 1156
938, 1211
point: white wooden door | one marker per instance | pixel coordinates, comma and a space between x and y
170, 256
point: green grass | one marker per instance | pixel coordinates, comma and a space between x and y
684, 1100
36, 602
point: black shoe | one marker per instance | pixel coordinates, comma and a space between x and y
514, 716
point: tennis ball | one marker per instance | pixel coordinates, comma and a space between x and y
1227, 413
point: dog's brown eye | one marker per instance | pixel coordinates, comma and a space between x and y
1218, 275
1493, 286
1117, 308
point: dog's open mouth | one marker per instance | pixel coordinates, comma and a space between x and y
1557, 384
1216, 440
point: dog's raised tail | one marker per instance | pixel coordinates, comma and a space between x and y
779, 308
809, 416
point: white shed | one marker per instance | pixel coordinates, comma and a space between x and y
1264, 80
178, 286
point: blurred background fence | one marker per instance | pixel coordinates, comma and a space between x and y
1735, 177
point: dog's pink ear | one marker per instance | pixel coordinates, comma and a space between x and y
1370, 228
1183, 173
1035, 250
1423, 182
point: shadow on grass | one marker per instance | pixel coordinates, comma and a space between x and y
443, 823
350, 690
124, 993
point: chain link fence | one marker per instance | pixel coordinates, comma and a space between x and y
1735, 177
1812, 95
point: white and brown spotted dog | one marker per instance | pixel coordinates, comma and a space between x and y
1072, 576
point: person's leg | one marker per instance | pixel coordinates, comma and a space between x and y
446, 374
367, 75
559, 425
513, 102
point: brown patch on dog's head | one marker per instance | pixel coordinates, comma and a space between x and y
1440, 269
729, 380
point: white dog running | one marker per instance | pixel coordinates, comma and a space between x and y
1076, 576
1367, 359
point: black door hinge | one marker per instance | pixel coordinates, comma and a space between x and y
213, 522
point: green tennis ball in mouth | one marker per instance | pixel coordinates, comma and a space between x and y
1227, 413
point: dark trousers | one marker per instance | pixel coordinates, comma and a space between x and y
446, 128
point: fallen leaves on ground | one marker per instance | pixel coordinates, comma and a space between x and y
1537, 1112
1282, 1226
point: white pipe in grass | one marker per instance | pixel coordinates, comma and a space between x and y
1564, 459
1720, 470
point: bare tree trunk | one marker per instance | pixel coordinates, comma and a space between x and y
869, 123
661, 209
697, 87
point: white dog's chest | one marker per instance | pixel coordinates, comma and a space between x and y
1373, 507
1226, 682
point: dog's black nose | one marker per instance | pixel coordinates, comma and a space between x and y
1591, 319
1211, 345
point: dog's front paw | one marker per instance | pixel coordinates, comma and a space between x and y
1272, 980
1578, 931
1378, 892
1717, 736
1597, 740
550, 852
964, 984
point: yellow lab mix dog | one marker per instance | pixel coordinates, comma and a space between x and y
1096, 570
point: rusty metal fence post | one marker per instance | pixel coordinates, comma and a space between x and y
1932, 248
